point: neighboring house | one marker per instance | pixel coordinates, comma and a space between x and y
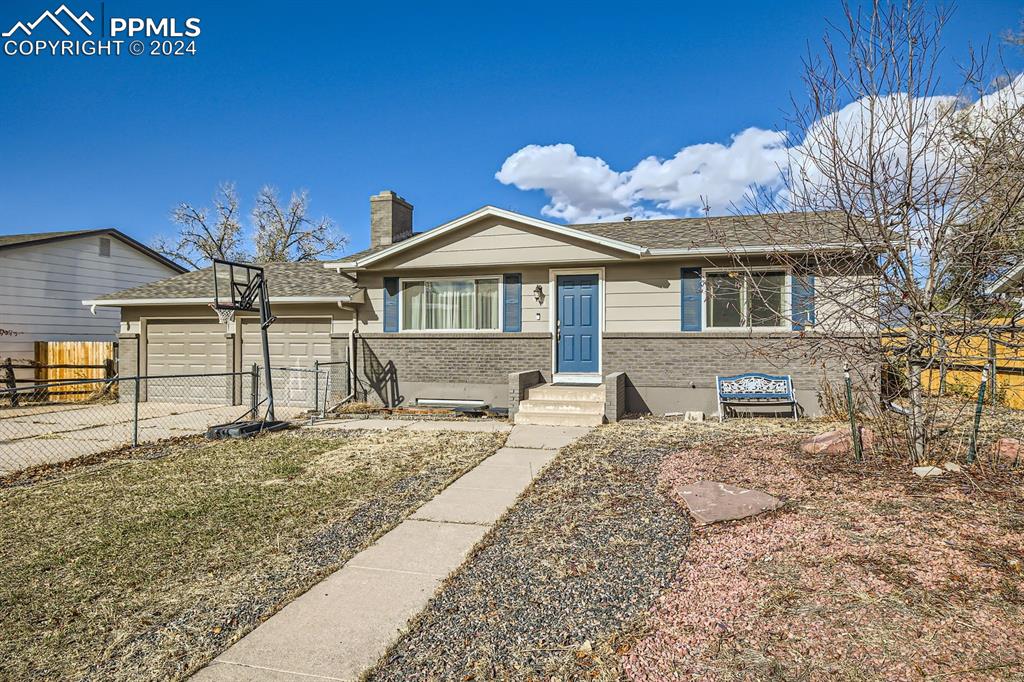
1009, 283
640, 308
45, 276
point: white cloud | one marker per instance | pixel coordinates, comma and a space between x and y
585, 188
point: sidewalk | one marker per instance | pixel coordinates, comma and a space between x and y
341, 626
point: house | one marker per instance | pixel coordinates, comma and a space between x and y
638, 316
45, 276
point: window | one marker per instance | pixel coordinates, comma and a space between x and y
450, 304
741, 299
104, 246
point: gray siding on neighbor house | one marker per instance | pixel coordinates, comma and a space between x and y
42, 286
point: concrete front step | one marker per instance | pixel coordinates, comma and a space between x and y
562, 406
559, 418
556, 392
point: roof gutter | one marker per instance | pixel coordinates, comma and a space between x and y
747, 250
1001, 284
357, 297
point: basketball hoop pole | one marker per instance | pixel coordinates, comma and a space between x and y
265, 322
243, 294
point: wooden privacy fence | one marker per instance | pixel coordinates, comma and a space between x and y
956, 366
61, 361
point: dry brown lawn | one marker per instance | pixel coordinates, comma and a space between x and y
147, 565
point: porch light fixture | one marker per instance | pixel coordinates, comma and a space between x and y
538, 294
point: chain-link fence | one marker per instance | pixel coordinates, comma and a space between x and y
119, 412
35, 430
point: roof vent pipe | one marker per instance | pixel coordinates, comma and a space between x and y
628, 218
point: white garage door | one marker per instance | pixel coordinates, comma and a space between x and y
295, 343
186, 347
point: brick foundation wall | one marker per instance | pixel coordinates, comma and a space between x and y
614, 396
518, 382
676, 372
399, 368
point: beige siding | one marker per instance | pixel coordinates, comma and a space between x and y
642, 297
494, 242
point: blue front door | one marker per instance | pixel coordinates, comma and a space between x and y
578, 326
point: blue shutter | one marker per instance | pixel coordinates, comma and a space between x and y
689, 301
803, 302
512, 298
391, 304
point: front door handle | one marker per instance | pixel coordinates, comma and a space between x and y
558, 330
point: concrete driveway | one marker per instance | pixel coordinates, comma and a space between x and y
49, 434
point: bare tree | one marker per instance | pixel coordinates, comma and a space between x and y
922, 185
287, 233
204, 233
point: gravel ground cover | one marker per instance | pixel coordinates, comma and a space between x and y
582, 554
147, 565
868, 572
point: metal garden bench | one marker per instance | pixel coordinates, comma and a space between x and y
755, 389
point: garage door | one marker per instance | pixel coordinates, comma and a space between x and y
186, 347
295, 343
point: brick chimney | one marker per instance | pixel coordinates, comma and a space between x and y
390, 218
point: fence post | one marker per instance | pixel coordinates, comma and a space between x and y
316, 385
972, 451
10, 381
254, 389
854, 431
992, 374
135, 413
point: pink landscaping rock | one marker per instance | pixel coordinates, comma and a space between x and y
710, 502
1007, 449
838, 442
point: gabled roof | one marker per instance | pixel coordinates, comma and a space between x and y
15, 240
652, 238
731, 231
306, 282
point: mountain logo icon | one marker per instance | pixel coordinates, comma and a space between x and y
79, 21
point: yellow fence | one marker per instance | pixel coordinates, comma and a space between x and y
58, 361
958, 369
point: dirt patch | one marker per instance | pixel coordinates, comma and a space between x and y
867, 572
146, 568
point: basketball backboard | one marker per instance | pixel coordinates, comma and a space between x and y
238, 286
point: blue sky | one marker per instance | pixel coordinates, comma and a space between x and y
428, 99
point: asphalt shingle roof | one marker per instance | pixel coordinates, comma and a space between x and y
283, 279
16, 240
720, 231
12, 239
726, 231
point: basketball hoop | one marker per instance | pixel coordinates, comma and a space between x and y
225, 315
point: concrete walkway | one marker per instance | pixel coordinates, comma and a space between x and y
340, 627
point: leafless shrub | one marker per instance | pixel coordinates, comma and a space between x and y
913, 195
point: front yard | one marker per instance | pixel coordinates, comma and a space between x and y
866, 572
147, 565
